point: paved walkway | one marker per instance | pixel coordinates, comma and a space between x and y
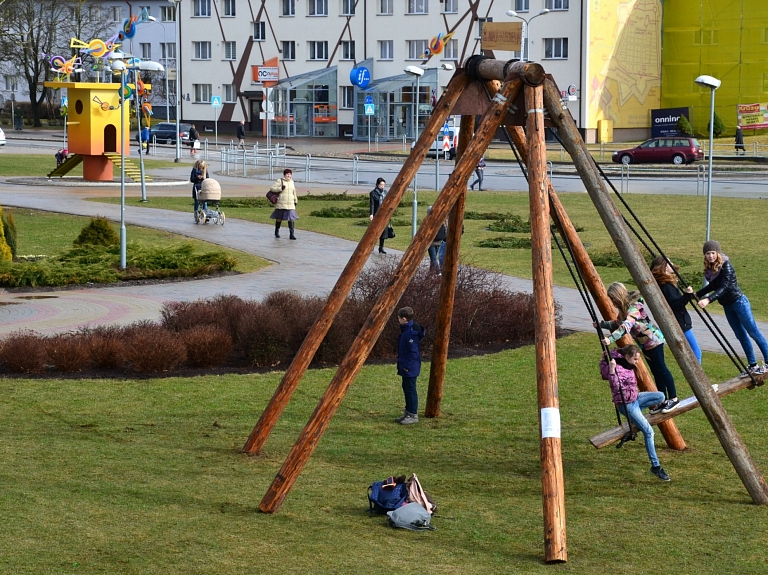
310, 265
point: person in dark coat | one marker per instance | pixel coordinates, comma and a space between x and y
241, 134
479, 173
739, 142
723, 287
196, 177
377, 196
409, 363
194, 140
667, 280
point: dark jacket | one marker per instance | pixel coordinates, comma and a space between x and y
409, 349
724, 287
677, 301
197, 182
193, 134
624, 380
739, 139
240, 132
376, 197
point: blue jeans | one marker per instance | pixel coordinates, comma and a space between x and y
644, 399
693, 343
661, 374
441, 255
433, 262
411, 395
742, 322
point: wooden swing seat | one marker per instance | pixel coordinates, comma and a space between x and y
616, 433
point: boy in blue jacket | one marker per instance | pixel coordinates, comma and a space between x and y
409, 363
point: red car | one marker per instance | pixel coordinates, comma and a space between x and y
677, 150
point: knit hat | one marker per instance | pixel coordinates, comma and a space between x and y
711, 246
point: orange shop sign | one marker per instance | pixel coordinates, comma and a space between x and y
261, 74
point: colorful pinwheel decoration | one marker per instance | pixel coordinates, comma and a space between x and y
436, 45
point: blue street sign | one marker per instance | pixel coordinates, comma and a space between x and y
360, 77
446, 129
369, 99
216, 101
370, 110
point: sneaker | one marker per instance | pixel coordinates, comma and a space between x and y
750, 369
760, 369
409, 419
659, 472
654, 409
670, 405
402, 417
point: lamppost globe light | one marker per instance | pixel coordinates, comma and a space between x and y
512, 13
149, 66
414, 70
542, 12
708, 82
713, 84
524, 39
446, 66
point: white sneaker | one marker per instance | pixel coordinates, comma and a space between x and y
409, 419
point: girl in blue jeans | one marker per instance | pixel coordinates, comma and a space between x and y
620, 374
724, 288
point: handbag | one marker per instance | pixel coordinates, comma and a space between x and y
272, 196
196, 144
390, 232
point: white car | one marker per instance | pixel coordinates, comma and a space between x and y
453, 143
2, 137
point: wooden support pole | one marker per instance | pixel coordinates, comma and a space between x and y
352, 270
382, 310
448, 285
597, 289
552, 484
710, 403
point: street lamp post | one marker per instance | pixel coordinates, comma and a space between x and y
120, 67
713, 84
524, 43
167, 95
177, 15
152, 67
418, 72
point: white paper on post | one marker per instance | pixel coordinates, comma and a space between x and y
550, 422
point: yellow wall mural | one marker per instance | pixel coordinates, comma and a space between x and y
624, 62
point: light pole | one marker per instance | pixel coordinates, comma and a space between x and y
150, 67
167, 95
713, 84
120, 67
524, 43
177, 15
418, 72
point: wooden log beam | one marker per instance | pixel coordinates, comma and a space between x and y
552, 483
710, 403
597, 290
383, 308
338, 295
731, 386
448, 285
484, 68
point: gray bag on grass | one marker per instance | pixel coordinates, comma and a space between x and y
411, 516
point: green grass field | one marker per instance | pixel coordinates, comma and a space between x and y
676, 222
38, 165
144, 476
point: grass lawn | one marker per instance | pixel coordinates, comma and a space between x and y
41, 164
144, 476
48, 233
676, 222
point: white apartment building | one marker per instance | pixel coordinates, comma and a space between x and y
315, 44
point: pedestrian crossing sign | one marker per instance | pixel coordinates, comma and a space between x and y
370, 109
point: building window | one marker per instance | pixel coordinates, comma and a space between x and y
259, 31
347, 97
168, 50
230, 93
385, 50
10, 83
556, 48
202, 50
289, 9
385, 8
348, 50
202, 93
289, 50
202, 8
450, 6
416, 49
522, 5
318, 8
116, 13
451, 50
168, 13
146, 51
230, 50
480, 22
556, 4
229, 8
417, 7
347, 7
318, 50
94, 12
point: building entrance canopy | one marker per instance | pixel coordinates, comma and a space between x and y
305, 105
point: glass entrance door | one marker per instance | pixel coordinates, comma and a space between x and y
402, 118
302, 124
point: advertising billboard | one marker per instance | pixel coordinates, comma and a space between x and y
664, 121
753, 115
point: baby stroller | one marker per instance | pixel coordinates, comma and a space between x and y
209, 197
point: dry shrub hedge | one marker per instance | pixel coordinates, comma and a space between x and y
106, 346
150, 348
69, 351
207, 345
24, 352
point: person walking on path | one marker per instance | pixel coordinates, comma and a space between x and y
634, 320
285, 208
376, 198
621, 376
739, 141
409, 363
479, 173
665, 276
199, 173
194, 140
241, 135
436, 247
723, 288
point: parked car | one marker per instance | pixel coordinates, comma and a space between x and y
678, 150
453, 142
165, 133
2, 137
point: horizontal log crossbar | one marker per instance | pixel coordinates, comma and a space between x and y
614, 434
